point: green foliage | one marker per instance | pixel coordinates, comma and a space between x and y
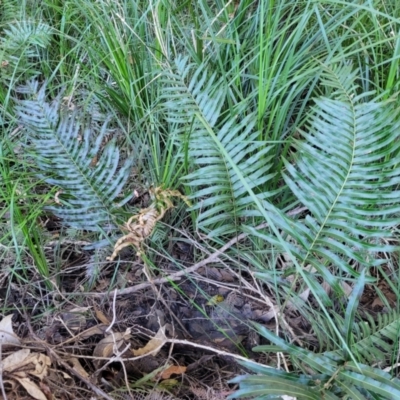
20, 48
344, 170
272, 105
193, 99
335, 374
63, 148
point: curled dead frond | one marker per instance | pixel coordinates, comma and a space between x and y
140, 226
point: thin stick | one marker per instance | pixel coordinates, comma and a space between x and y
3, 390
219, 352
114, 314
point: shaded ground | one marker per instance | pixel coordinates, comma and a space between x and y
205, 315
169, 328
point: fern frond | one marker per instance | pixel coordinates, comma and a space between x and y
194, 99
374, 341
328, 376
345, 171
21, 45
22, 33
63, 149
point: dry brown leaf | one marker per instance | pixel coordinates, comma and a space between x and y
140, 226
23, 362
94, 330
46, 391
154, 345
41, 363
105, 348
346, 288
32, 388
173, 369
14, 360
7, 336
101, 317
266, 316
76, 365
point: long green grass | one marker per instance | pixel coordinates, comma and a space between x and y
118, 58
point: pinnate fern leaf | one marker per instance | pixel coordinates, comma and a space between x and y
330, 376
63, 148
345, 171
218, 147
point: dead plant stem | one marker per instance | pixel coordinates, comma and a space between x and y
177, 275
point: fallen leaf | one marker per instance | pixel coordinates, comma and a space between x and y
105, 348
173, 369
32, 388
46, 391
154, 345
24, 362
41, 363
94, 330
101, 317
346, 288
76, 365
13, 360
7, 335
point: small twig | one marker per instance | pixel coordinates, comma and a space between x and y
114, 314
3, 390
220, 352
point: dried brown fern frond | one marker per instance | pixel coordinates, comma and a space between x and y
141, 226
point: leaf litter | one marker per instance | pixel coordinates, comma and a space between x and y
182, 347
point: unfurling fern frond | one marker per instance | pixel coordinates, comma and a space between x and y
63, 149
221, 148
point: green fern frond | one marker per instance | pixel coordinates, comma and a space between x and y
22, 33
329, 376
194, 101
63, 149
345, 171
21, 46
374, 341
